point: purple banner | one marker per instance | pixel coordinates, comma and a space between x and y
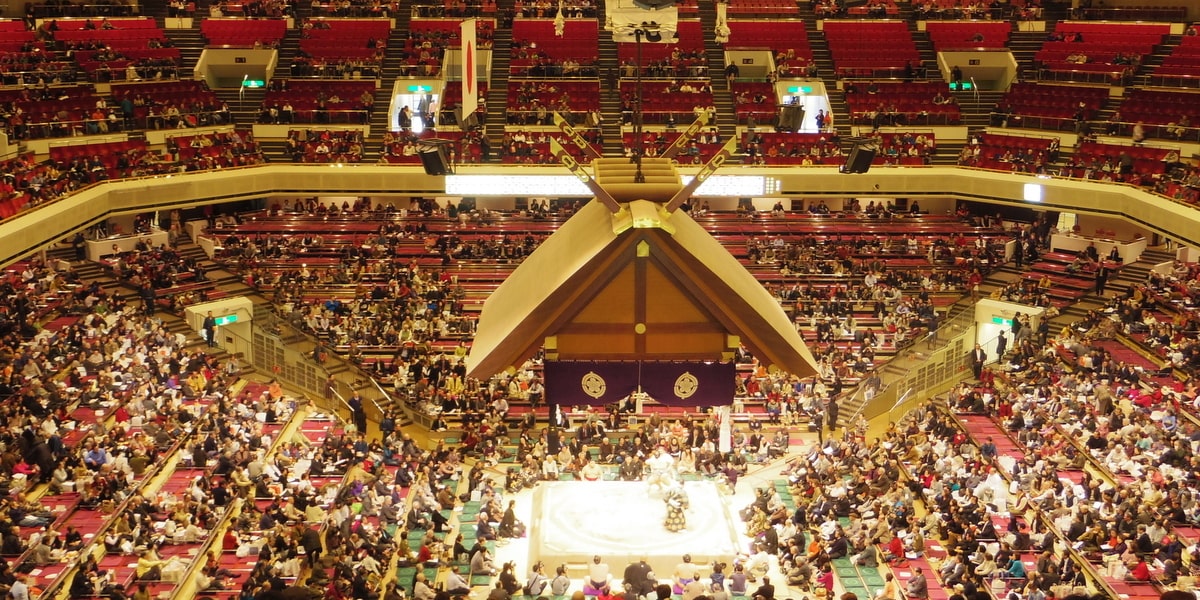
689, 383
570, 383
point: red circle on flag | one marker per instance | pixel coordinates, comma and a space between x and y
469, 84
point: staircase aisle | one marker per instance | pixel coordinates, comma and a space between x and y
826, 70
497, 94
392, 59
976, 106
610, 97
726, 121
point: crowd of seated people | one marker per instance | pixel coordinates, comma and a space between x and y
1076, 400
534, 101
1117, 163
355, 8
339, 146
698, 150
1015, 153
456, 9
113, 360
399, 148
534, 146
305, 65
317, 102
960, 9
1027, 292
427, 40
1181, 183
403, 148
681, 63
894, 147
804, 149
216, 150
542, 9
532, 58
900, 104
28, 182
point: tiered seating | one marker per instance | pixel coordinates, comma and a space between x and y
401, 148
109, 47
906, 147
530, 99
243, 33
1099, 47
544, 10
870, 48
1008, 152
667, 100
887, 103
216, 150
1158, 109
117, 33
29, 66
311, 146
520, 147
1094, 160
108, 160
452, 98
754, 99
344, 40
15, 193
1184, 60
973, 11
152, 102
427, 38
875, 9
792, 148
699, 150
785, 39
763, 8
59, 114
950, 35
453, 9
538, 51
324, 101
14, 37
683, 58
1050, 106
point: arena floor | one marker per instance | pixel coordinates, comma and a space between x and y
572, 521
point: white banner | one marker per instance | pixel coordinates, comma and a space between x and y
470, 89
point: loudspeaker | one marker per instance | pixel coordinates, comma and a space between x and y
791, 118
859, 160
434, 161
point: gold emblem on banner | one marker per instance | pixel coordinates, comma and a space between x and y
593, 385
686, 386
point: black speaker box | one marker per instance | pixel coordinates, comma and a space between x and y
791, 118
859, 160
434, 161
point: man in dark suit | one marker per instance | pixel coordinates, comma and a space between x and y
917, 588
978, 357
1101, 279
766, 591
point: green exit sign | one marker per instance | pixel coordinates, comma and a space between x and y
800, 89
1002, 321
254, 83
420, 89
962, 85
226, 319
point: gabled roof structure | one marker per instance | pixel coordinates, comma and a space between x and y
638, 284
